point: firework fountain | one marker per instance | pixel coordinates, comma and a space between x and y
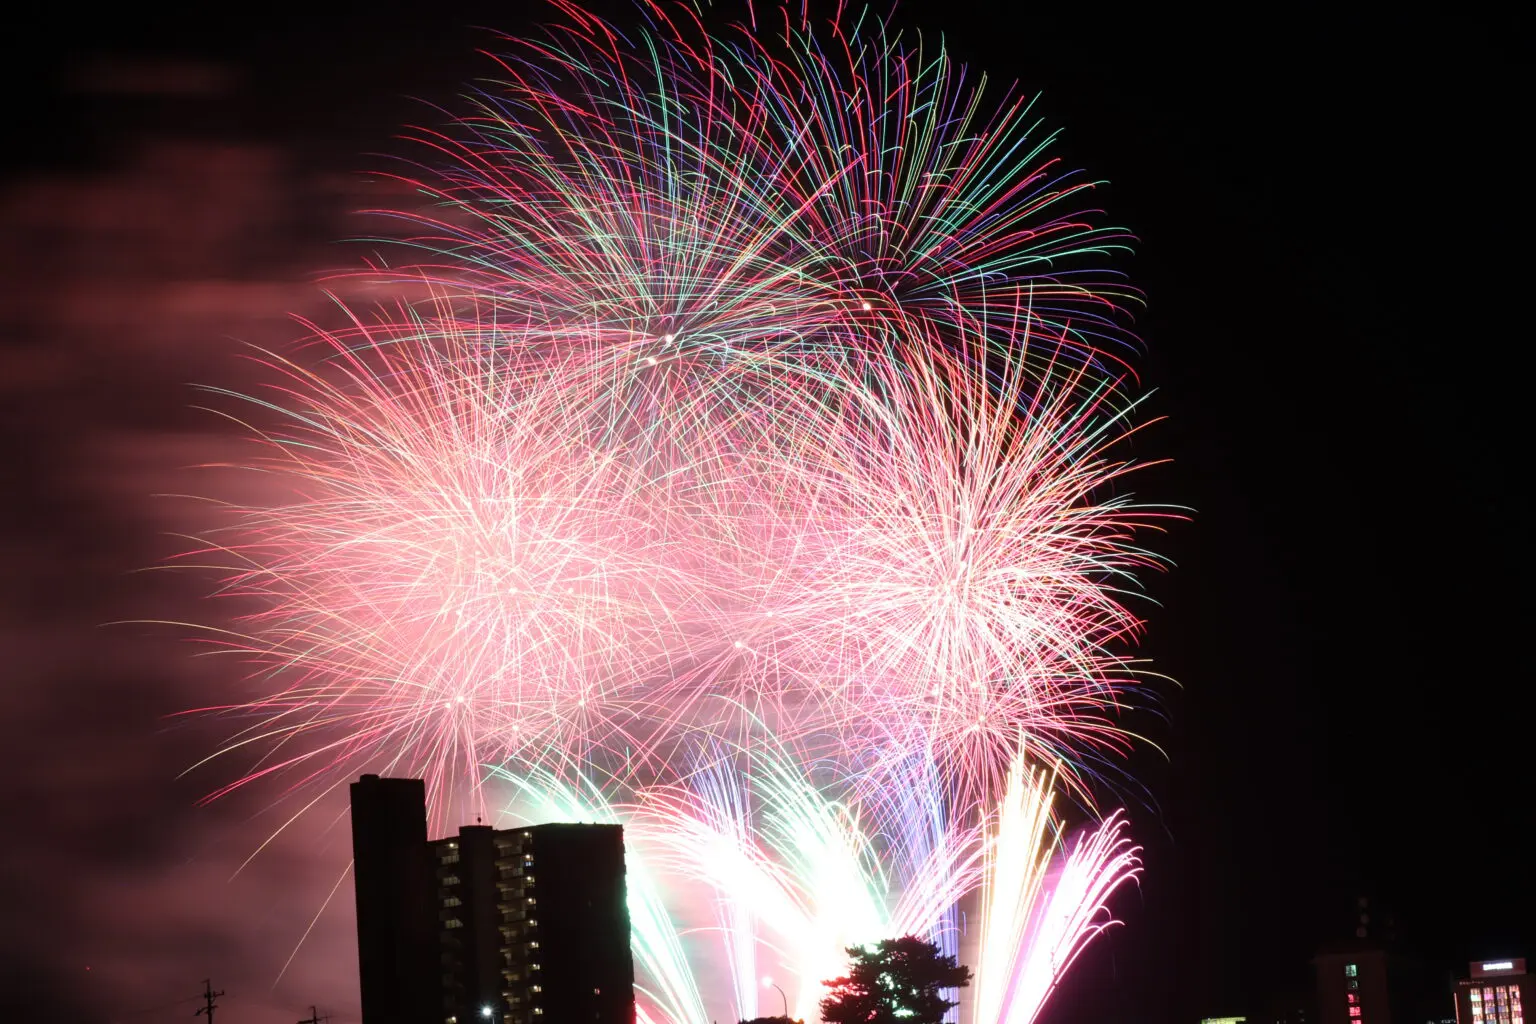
748, 474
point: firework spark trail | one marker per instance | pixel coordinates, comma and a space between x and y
796, 874
799, 874
469, 571
959, 565
726, 811
1017, 864
764, 393
727, 194
1075, 914
580, 448
1040, 909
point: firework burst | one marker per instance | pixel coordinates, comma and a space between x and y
764, 400
474, 562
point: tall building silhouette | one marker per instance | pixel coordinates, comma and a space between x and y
396, 935
508, 926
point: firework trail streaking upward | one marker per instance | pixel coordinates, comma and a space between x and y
791, 876
764, 399
1040, 909
797, 873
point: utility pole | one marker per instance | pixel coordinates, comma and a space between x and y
314, 1017
209, 995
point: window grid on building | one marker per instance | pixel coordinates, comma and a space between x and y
1497, 1004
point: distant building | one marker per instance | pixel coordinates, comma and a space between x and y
1353, 986
1496, 993
492, 926
1371, 979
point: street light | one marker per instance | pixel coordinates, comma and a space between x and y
768, 983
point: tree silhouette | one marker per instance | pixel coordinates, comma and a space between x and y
894, 981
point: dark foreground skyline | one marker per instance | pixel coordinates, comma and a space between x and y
1327, 209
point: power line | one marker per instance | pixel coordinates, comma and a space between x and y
314, 1017
153, 1009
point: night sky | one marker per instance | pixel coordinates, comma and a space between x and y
1330, 216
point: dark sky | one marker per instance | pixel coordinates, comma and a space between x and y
1330, 214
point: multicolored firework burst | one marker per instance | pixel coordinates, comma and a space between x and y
748, 474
